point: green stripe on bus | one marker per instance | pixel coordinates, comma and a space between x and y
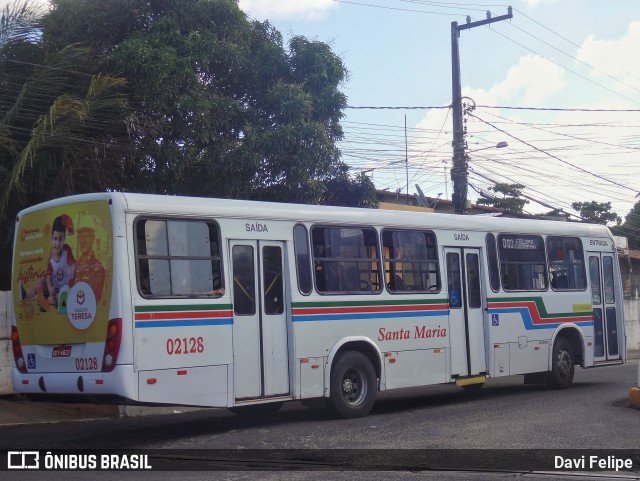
542, 310
190, 307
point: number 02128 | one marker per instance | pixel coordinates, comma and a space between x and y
185, 345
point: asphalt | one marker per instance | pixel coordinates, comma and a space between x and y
16, 410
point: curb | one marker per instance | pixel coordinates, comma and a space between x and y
634, 397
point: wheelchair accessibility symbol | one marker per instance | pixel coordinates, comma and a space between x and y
495, 320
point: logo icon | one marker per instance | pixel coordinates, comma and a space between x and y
81, 305
23, 460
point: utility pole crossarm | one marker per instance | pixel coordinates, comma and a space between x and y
486, 21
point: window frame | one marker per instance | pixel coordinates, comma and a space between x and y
212, 258
391, 260
542, 262
493, 263
553, 238
315, 259
309, 254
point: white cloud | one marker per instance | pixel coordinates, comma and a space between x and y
535, 3
530, 81
305, 10
614, 57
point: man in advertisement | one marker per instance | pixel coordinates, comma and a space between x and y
89, 269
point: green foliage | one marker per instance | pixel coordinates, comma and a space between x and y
555, 213
510, 200
187, 97
596, 212
631, 227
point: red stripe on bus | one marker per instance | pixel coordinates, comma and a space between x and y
148, 316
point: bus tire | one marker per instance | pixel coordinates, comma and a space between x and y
353, 385
562, 368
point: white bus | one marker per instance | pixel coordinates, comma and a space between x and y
134, 298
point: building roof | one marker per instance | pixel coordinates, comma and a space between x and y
435, 203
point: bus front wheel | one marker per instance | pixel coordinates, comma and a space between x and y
353, 385
562, 368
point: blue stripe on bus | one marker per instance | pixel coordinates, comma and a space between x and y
372, 315
185, 323
528, 322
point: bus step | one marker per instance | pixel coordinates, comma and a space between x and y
466, 381
607, 363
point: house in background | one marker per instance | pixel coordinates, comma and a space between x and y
400, 201
630, 270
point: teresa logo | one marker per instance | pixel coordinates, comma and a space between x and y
81, 305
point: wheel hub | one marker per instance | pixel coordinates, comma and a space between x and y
347, 385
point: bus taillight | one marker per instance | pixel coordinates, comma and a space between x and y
112, 344
17, 350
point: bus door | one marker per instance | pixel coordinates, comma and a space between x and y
607, 316
260, 346
466, 314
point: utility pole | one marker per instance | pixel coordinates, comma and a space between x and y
459, 168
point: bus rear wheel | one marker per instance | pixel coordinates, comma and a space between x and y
353, 385
562, 368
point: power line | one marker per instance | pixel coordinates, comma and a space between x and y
554, 156
506, 107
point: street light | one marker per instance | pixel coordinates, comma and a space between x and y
499, 145
404, 161
459, 173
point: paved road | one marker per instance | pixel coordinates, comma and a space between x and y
505, 414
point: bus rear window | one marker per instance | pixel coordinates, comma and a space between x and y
178, 258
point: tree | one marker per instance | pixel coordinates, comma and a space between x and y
226, 110
186, 97
555, 213
631, 227
510, 200
596, 212
59, 122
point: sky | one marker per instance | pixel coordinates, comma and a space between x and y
559, 83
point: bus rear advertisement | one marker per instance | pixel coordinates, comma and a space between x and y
62, 282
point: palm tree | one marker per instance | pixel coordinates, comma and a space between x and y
61, 125
20, 20
64, 127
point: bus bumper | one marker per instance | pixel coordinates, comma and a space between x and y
119, 382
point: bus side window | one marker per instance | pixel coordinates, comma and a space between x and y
566, 263
178, 258
303, 259
410, 261
523, 265
346, 260
492, 258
